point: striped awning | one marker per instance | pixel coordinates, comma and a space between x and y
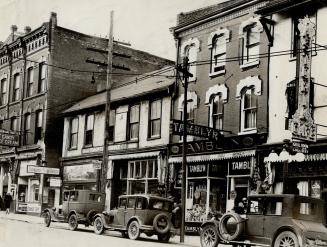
134, 155
212, 157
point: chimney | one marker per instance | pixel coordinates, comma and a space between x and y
53, 19
27, 29
13, 30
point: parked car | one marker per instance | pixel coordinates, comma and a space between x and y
138, 214
270, 220
78, 207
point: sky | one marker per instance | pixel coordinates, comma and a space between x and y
143, 23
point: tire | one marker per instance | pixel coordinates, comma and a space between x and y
72, 222
161, 224
286, 238
164, 238
90, 215
133, 230
209, 236
47, 219
231, 226
98, 225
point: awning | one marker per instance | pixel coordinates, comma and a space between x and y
134, 155
212, 157
315, 157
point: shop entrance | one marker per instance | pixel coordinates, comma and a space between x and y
51, 198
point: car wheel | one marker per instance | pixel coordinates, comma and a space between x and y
72, 222
231, 226
47, 219
286, 239
164, 237
98, 225
209, 236
133, 230
161, 224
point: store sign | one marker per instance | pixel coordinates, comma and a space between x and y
197, 170
43, 170
9, 138
240, 167
177, 127
28, 208
194, 147
79, 172
55, 182
300, 147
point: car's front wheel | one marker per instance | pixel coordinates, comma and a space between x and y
133, 230
47, 219
98, 225
72, 222
286, 239
209, 236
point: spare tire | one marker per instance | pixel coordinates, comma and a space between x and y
231, 226
161, 223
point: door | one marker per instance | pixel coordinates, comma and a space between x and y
65, 204
51, 198
255, 223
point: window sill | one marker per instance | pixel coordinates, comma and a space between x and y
248, 131
72, 149
291, 59
214, 74
88, 146
250, 64
153, 138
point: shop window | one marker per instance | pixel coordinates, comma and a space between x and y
73, 133
36, 194
3, 89
134, 118
89, 126
248, 110
155, 118
38, 126
30, 76
16, 89
111, 129
42, 77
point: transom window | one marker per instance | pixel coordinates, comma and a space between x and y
134, 118
155, 118
73, 133
143, 169
248, 109
89, 124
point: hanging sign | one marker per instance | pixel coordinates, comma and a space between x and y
43, 170
300, 147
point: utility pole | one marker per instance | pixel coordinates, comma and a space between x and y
186, 75
101, 185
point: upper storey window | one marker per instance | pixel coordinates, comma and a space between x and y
42, 77
217, 44
249, 32
190, 49
3, 89
16, 89
30, 75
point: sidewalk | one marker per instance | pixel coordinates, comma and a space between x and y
189, 240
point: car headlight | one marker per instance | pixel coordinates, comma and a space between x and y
316, 242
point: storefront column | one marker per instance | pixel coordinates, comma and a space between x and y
1, 180
28, 190
41, 190
208, 197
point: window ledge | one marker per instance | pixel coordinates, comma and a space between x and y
291, 59
153, 138
72, 148
88, 146
248, 131
214, 74
250, 64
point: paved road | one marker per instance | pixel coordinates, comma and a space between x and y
16, 233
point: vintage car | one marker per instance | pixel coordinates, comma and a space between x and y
270, 220
78, 207
138, 214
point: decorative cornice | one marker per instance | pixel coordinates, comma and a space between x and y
193, 101
251, 21
217, 89
220, 32
248, 82
190, 42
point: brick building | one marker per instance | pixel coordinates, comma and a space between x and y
228, 92
42, 72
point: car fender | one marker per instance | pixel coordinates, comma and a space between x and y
210, 222
292, 229
51, 212
135, 218
79, 216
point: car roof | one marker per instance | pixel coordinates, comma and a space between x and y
147, 196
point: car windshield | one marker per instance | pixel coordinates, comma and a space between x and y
160, 205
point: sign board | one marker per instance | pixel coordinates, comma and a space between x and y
55, 182
194, 147
29, 208
300, 147
9, 138
240, 166
43, 170
177, 127
97, 164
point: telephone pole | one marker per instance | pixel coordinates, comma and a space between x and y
186, 75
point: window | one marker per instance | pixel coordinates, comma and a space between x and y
13, 124
190, 50
216, 112
251, 41
122, 202
112, 120
95, 197
27, 128
248, 109
131, 202
38, 125
274, 207
73, 196
41, 86
16, 91
134, 118
141, 203
73, 133
3, 89
155, 118
30, 75
89, 130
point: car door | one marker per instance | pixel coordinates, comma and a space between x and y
130, 209
65, 204
119, 219
255, 220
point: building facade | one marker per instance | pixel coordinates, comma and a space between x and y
139, 134
229, 93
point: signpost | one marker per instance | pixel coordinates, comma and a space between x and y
9, 138
43, 170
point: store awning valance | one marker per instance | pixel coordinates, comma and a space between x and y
212, 157
134, 155
315, 157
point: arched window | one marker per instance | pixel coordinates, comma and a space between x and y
30, 75
216, 110
16, 89
248, 109
3, 89
190, 49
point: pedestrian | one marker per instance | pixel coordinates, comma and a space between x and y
1, 203
8, 199
177, 215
